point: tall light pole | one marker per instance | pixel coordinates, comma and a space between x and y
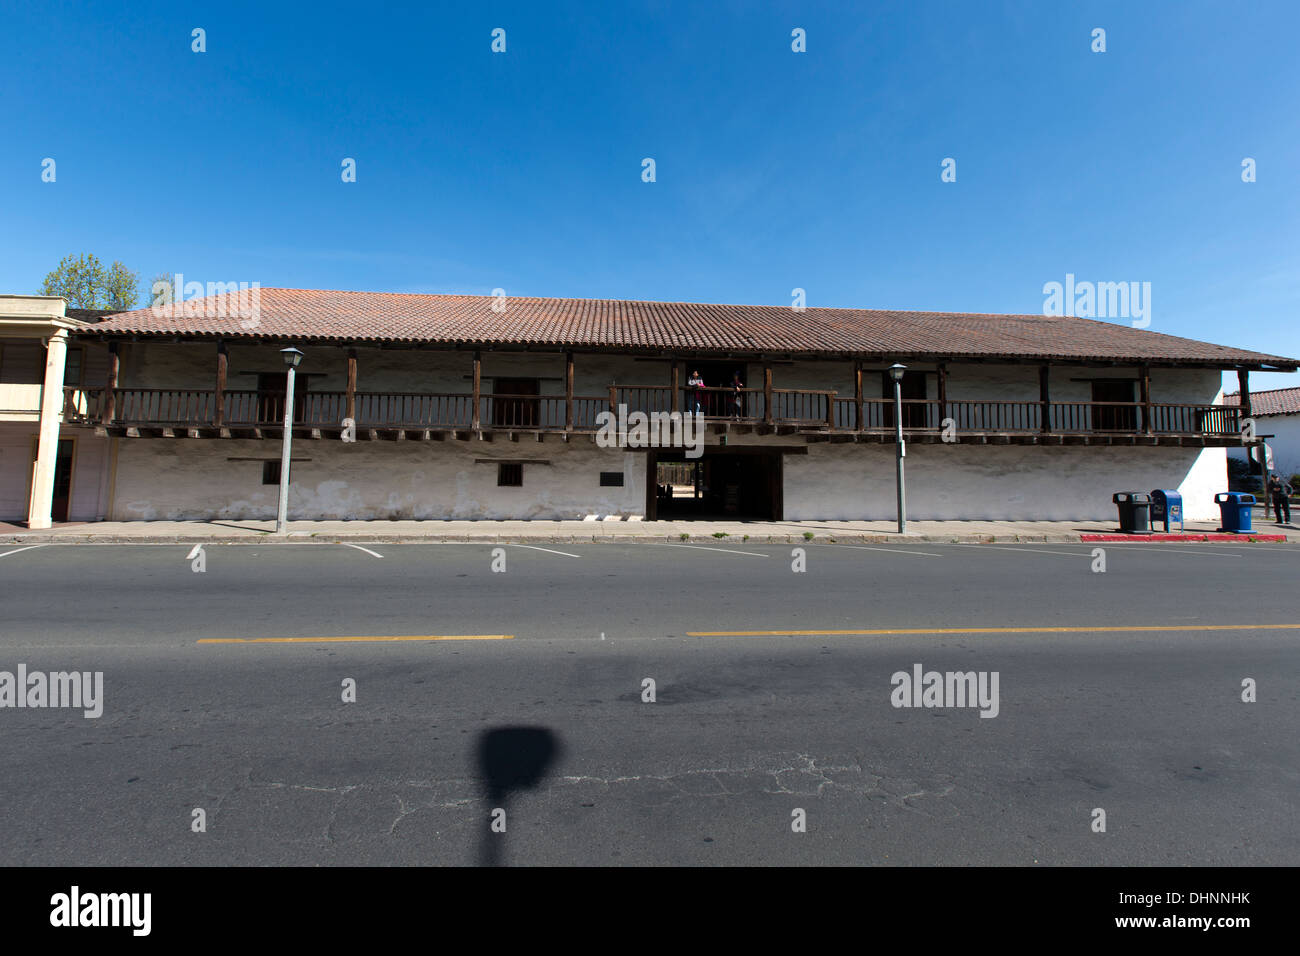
292, 358
900, 450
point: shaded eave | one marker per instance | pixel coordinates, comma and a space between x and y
87, 331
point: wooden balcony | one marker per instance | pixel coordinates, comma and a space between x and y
818, 415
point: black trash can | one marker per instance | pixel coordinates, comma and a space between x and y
1134, 512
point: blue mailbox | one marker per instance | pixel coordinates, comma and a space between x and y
1167, 507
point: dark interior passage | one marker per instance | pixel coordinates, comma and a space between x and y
719, 485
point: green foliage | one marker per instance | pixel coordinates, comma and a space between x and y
86, 284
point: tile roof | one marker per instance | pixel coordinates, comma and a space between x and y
89, 315
1275, 401
307, 315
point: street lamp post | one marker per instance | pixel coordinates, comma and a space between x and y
900, 449
292, 358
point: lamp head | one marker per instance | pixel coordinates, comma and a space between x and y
292, 357
896, 371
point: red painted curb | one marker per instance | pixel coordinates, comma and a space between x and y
1250, 536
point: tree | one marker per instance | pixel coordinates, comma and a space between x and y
86, 284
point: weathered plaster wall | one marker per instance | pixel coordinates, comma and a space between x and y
158, 479
1002, 482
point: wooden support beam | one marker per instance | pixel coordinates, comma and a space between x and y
830, 410
219, 396
676, 384
1243, 382
767, 393
477, 391
350, 400
110, 386
943, 392
860, 411
1045, 398
1144, 384
613, 400
568, 391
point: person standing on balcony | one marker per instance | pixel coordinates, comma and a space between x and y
1279, 490
697, 383
737, 401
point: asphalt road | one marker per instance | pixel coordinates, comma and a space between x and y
542, 714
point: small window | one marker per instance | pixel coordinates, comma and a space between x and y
270, 472
510, 474
611, 479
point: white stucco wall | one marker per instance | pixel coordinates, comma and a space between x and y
996, 482
172, 479
162, 479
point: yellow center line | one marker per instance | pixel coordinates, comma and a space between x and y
336, 640
1001, 630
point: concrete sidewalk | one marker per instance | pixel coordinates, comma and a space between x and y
718, 533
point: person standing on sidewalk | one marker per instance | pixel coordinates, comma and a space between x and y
1279, 492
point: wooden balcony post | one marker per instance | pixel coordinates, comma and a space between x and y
677, 386
109, 407
1243, 382
613, 400
860, 417
568, 391
830, 409
1144, 384
1045, 398
943, 392
219, 393
475, 422
350, 399
767, 393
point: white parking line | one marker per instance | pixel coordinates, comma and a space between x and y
862, 547
1172, 549
700, 547
533, 547
366, 550
996, 547
28, 548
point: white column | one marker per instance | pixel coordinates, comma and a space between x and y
47, 449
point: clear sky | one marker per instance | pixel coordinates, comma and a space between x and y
774, 170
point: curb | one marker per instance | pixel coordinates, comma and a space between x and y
861, 538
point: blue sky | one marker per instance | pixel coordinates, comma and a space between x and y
774, 169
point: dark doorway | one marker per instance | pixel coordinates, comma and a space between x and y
912, 387
1113, 418
62, 477
719, 485
715, 375
270, 398
512, 412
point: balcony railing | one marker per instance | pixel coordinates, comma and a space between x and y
796, 409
